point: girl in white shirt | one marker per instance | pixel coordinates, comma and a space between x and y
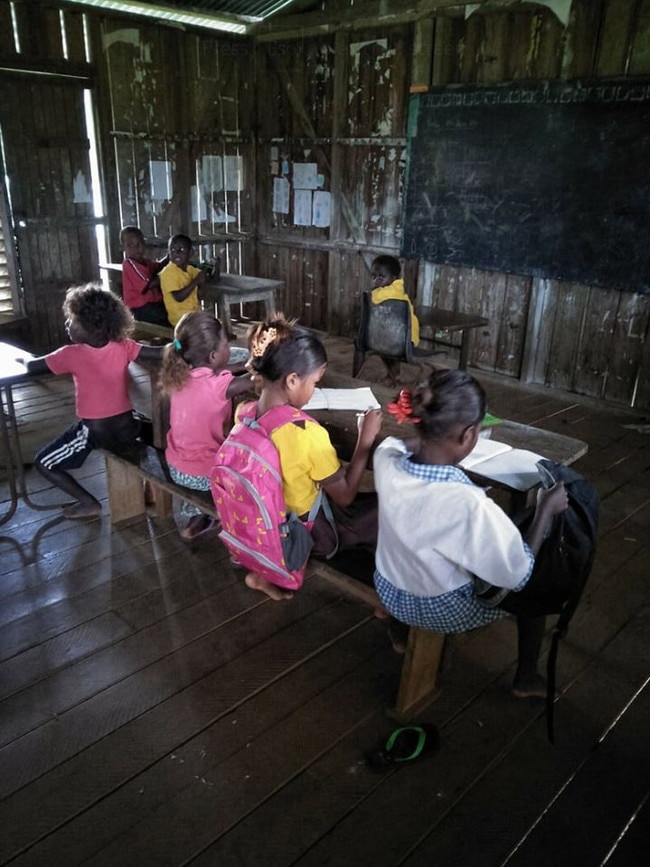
438, 531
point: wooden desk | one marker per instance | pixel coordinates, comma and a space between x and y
239, 289
11, 373
435, 321
342, 427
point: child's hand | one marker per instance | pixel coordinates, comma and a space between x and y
553, 500
369, 425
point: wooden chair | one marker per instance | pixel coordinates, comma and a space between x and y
385, 330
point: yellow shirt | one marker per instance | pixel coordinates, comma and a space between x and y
307, 457
173, 278
396, 291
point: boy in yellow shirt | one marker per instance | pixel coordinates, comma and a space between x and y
387, 284
180, 281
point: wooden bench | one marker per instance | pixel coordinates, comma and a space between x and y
126, 493
126, 499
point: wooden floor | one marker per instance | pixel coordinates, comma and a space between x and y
156, 712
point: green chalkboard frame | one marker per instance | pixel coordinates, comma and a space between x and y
546, 178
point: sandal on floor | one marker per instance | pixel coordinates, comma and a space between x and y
406, 744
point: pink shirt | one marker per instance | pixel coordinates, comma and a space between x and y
101, 375
135, 276
198, 414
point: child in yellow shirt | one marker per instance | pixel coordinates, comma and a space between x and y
387, 284
180, 281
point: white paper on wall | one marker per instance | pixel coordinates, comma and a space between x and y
211, 173
233, 174
281, 195
321, 209
302, 208
80, 192
160, 172
305, 176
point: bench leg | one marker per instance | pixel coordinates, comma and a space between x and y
125, 490
163, 501
419, 670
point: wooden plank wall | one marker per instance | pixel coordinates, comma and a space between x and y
177, 98
331, 87
572, 337
46, 150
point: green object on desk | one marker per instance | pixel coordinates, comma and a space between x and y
490, 420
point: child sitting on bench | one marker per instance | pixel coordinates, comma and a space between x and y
201, 385
438, 531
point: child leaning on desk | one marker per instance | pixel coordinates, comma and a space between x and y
287, 363
140, 281
98, 324
201, 385
180, 281
438, 532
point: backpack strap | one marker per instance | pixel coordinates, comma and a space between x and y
278, 417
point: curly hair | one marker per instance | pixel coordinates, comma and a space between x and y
196, 336
447, 399
101, 313
285, 348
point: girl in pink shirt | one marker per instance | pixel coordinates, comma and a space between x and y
200, 383
98, 324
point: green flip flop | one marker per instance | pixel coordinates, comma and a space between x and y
405, 744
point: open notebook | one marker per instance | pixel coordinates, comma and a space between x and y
360, 399
501, 463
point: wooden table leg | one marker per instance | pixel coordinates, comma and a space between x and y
464, 350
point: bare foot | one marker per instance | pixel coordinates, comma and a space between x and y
82, 510
256, 582
381, 613
199, 528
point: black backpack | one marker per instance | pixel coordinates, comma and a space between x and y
562, 565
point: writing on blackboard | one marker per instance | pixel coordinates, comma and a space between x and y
546, 178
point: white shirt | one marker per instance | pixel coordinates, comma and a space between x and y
434, 535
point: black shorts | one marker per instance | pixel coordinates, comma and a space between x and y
117, 433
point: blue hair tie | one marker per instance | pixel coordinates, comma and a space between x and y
177, 345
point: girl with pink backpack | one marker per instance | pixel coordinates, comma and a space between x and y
287, 362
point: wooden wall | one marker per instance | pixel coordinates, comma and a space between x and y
331, 88
572, 337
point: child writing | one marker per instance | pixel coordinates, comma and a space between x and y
387, 285
287, 363
438, 532
179, 280
196, 376
140, 281
98, 324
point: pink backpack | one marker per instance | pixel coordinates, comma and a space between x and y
246, 485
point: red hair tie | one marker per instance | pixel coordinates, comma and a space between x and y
402, 409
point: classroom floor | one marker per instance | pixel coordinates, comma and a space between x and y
154, 711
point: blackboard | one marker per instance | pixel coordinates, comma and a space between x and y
547, 178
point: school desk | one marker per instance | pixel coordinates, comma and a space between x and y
231, 289
342, 427
436, 324
13, 372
